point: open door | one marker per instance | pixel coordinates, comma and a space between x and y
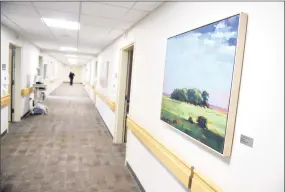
123, 95
11, 86
128, 89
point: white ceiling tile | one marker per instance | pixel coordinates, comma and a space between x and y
47, 13
103, 10
4, 19
8, 23
125, 25
47, 44
90, 50
72, 7
135, 15
37, 37
90, 32
96, 42
16, 9
63, 33
115, 33
29, 23
21, 3
67, 42
65, 37
19, 31
120, 4
99, 21
60, 57
146, 6
63, 43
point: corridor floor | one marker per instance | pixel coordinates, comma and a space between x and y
68, 150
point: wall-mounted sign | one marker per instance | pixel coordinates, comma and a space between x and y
4, 67
246, 140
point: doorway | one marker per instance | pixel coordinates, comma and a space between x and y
95, 81
11, 85
128, 89
14, 84
124, 92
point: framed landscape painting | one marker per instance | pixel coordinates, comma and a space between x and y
202, 79
104, 74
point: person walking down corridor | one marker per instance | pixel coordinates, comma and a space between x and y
71, 76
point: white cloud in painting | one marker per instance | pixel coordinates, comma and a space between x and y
204, 61
224, 35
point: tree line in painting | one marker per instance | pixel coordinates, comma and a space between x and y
192, 96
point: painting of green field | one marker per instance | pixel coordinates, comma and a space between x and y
198, 79
177, 114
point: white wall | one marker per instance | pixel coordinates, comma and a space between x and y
88, 76
29, 63
249, 169
54, 68
63, 73
110, 91
77, 72
4, 119
84, 73
6, 38
92, 78
30, 60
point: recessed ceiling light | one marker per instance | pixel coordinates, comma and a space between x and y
61, 24
68, 48
71, 55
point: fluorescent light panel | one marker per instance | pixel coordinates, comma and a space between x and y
68, 49
73, 61
58, 23
71, 55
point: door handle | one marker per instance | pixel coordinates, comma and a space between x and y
127, 99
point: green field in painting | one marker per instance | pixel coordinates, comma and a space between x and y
177, 113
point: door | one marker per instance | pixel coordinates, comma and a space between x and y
11, 86
128, 87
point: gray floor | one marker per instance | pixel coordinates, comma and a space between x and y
67, 150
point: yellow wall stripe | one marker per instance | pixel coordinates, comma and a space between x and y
186, 174
202, 184
26, 91
5, 100
175, 165
106, 100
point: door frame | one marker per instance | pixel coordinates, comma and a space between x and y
11, 88
119, 134
16, 92
94, 83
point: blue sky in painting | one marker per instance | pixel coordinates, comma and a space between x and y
203, 59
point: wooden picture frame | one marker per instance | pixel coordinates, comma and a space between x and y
169, 111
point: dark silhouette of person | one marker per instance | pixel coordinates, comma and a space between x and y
71, 76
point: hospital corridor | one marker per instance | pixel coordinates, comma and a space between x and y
142, 96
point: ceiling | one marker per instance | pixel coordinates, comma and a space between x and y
100, 24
